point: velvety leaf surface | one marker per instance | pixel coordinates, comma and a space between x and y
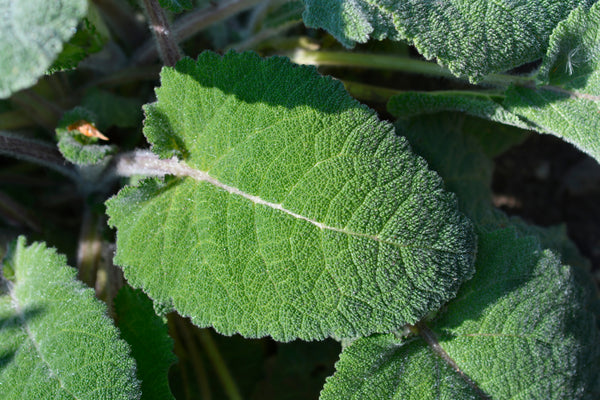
518, 330
301, 215
456, 152
56, 341
481, 105
471, 38
32, 34
151, 345
90, 36
568, 105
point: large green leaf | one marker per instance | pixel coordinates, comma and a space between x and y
568, 103
32, 33
472, 38
299, 214
518, 330
56, 340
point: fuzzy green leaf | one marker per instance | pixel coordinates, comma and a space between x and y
527, 335
481, 105
568, 105
471, 38
77, 147
32, 33
176, 6
300, 213
151, 346
90, 36
460, 150
56, 340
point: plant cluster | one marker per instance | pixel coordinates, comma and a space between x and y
241, 191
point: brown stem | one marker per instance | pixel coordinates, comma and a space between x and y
167, 45
193, 22
35, 151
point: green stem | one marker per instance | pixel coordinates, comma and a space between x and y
403, 64
89, 252
370, 93
215, 357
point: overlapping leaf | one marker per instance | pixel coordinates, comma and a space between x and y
56, 340
461, 151
301, 215
481, 105
32, 34
568, 105
519, 329
151, 346
471, 38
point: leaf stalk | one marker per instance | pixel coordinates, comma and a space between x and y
394, 63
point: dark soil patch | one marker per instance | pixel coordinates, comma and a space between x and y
547, 181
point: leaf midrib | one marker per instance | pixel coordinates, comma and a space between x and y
181, 169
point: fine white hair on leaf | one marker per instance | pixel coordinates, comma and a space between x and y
571, 61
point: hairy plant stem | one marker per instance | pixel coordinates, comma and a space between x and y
194, 22
167, 45
212, 351
403, 64
37, 152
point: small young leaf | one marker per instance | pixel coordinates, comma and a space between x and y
301, 215
526, 335
31, 37
568, 106
471, 38
56, 340
76, 146
151, 346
